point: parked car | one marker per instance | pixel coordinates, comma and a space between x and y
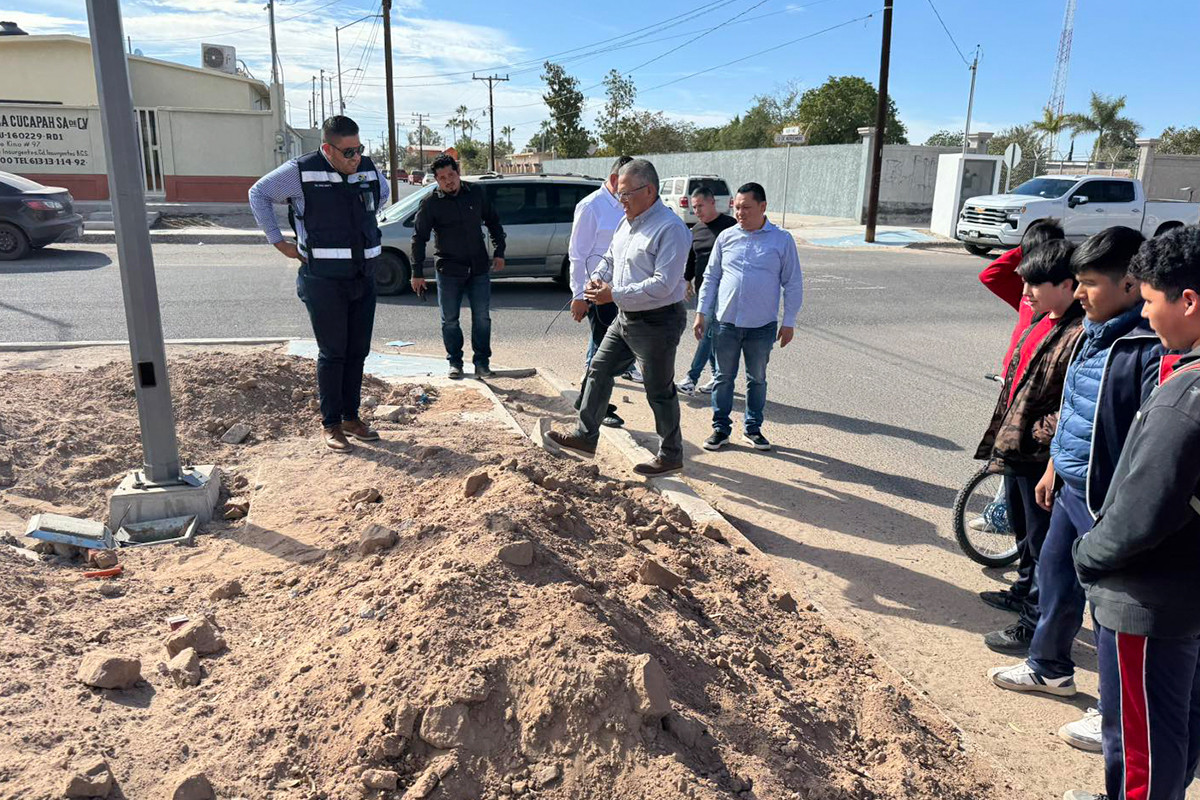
428, 180
677, 194
33, 216
415, 177
402, 175
535, 210
1084, 204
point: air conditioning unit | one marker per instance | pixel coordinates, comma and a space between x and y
219, 57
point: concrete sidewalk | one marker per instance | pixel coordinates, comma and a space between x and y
817, 231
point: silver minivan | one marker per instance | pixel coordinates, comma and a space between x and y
676, 194
535, 210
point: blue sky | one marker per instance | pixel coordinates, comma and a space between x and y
1118, 49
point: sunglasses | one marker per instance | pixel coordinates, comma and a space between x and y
349, 152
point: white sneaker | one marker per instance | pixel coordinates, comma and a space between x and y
708, 386
1022, 678
686, 386
1084, 734
978, 524
634, 375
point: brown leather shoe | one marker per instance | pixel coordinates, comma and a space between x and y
359, 430
656, 466
571, 442
336, 441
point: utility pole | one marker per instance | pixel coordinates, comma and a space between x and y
337, 43
970, 100
885, 56
491, 79
277, 96
324, 108
420, 119
391, 95
314, 100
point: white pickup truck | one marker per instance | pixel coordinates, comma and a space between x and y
1083, 204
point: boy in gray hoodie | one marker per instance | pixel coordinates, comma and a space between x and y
1140, 564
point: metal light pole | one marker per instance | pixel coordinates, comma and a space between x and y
970, 100
391, 94
126, 188
338, 47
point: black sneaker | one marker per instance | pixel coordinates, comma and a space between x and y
1002, 600
456, 372
612, 420
718, 440
1013, 640
756, 440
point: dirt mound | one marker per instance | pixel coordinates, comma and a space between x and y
452, 613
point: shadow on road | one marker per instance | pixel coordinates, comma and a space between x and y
518, 293
52, 260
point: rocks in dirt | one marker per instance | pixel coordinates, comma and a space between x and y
389, 413
405, 719
105, 670
247, 384
475, 483
380, 779
92, 778
709, 530
199, 634
518, 554
370, 401
649, 685
555, 509
368, 495
236, 510
438, 769
785, 602
445, 725
653, 573
236, 434
184, 669
678, 517
192, 786
376, 538
685, 730
546, 776
110, 589
102, 559
226, 591
581, 594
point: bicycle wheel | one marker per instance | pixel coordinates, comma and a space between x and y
981, 524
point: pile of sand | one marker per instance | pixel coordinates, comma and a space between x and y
451, 613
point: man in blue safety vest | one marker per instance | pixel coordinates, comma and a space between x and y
333, 195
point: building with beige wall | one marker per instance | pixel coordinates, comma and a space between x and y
206, 135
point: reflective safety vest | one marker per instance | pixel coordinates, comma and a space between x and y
340, 229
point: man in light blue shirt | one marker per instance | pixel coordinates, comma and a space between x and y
643, 273
752, 264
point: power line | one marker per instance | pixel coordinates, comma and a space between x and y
210, 36
948, 34
704, 33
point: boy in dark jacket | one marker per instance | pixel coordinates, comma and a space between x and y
1017, 441
1114, 370
1140, 564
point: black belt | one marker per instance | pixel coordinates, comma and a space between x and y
661, 311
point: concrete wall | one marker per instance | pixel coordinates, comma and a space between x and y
907, 178
1170, 174
823, 180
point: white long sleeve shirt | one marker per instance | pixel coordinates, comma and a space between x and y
596, 219
646, 262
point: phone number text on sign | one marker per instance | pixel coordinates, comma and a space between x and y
35, 140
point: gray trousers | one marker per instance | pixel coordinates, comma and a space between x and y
649, 338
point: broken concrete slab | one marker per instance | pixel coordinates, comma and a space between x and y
236, 434
73, 531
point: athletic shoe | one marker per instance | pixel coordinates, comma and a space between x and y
718, 440
757, 441
633, 374
708, 386
1084, 734
1002, 600
686, 386
1079, 794
612, 420
1012, 641
456, 372
978, 524
1022, 678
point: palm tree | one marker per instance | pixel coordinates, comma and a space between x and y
1050, 126
1104, 119
463, 121
507, 132
452, 126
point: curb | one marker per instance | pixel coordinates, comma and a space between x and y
217, 236
21, 347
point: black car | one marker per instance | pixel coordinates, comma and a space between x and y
33, 216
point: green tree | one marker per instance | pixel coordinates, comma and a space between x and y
1051, 126
944, 138
1179, 141
507, 132
430, 137
565, 101
1034, 149
1114, 133
617, 125
833, 112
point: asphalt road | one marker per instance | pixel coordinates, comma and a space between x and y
890, 344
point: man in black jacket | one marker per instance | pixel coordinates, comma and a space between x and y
1140, 564
454, 213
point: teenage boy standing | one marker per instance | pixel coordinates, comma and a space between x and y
1140, 564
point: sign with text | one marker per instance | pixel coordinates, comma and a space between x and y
789, 138
45, 139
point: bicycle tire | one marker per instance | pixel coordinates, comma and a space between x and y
963, 536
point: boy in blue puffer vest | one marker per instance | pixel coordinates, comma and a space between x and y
1115, 368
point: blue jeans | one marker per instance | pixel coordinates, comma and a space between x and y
731, 344
478, 291
1060, 596
704, 355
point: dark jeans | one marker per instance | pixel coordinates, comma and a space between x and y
1150, 714
704, 355
477, 289
1030, 523
342, 315
732, 344
651, 339
1060, 596
599, 318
